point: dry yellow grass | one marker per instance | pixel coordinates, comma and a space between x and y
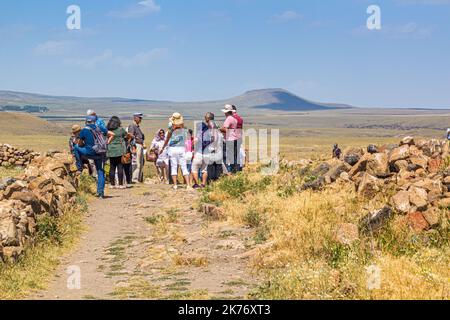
303, 260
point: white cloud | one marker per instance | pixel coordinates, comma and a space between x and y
409, 30
138, 10
162, 27
91, 62
287, 16
53, 48
141, 59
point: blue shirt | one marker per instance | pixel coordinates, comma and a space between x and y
101, 125
88, 138
178, 138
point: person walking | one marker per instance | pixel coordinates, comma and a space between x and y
162, 161
116, 152
94, 147
176, 141
230, 132
135, 130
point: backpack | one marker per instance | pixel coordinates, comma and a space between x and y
100, 145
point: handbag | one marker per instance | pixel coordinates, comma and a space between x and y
126, 157
151, 156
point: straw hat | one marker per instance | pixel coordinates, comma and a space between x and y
177, 119
228, 108
76, 128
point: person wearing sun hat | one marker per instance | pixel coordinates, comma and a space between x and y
231, 135
176, 141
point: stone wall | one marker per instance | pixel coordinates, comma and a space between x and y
10, 156
47, 187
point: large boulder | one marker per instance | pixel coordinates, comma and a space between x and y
400, 202
407, 141
321, 169
400, 165
369, 185
336, 168
378, 165
420, 162
417, 222
400, 153
418, 198
353, 155
434, 165
430, 185
361, 165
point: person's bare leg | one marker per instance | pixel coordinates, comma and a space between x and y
175, 182
188, 182
195, 177
205, 178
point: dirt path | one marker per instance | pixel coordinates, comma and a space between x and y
150, 243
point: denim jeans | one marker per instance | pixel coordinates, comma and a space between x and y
99, 166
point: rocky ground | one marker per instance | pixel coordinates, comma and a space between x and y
414, 175
149, 242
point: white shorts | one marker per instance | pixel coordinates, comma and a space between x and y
177, 156
200, 162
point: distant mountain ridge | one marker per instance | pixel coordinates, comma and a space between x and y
251, 101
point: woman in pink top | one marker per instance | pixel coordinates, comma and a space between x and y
189, 144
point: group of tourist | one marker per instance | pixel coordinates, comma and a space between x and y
202, 155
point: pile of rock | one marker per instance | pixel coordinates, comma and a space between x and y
415, 171
10, 156
47, 187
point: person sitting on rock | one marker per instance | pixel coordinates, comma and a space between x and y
75, 140
87, 151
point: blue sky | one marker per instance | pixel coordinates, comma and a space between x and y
213, 49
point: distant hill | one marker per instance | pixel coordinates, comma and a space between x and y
277, 100
280, 99
16, 124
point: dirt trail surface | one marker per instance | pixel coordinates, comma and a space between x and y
149, 242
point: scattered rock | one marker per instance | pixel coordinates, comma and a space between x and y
375, 220
400, 153
432, 216
378, 165
418, 197
213, 211
417, 221
400, 202
347, 233
369, 185
407, 141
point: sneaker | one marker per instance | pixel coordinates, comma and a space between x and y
203, 186
175, 187
196, 186
101, 196
112, 187
189, 188
122, 187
